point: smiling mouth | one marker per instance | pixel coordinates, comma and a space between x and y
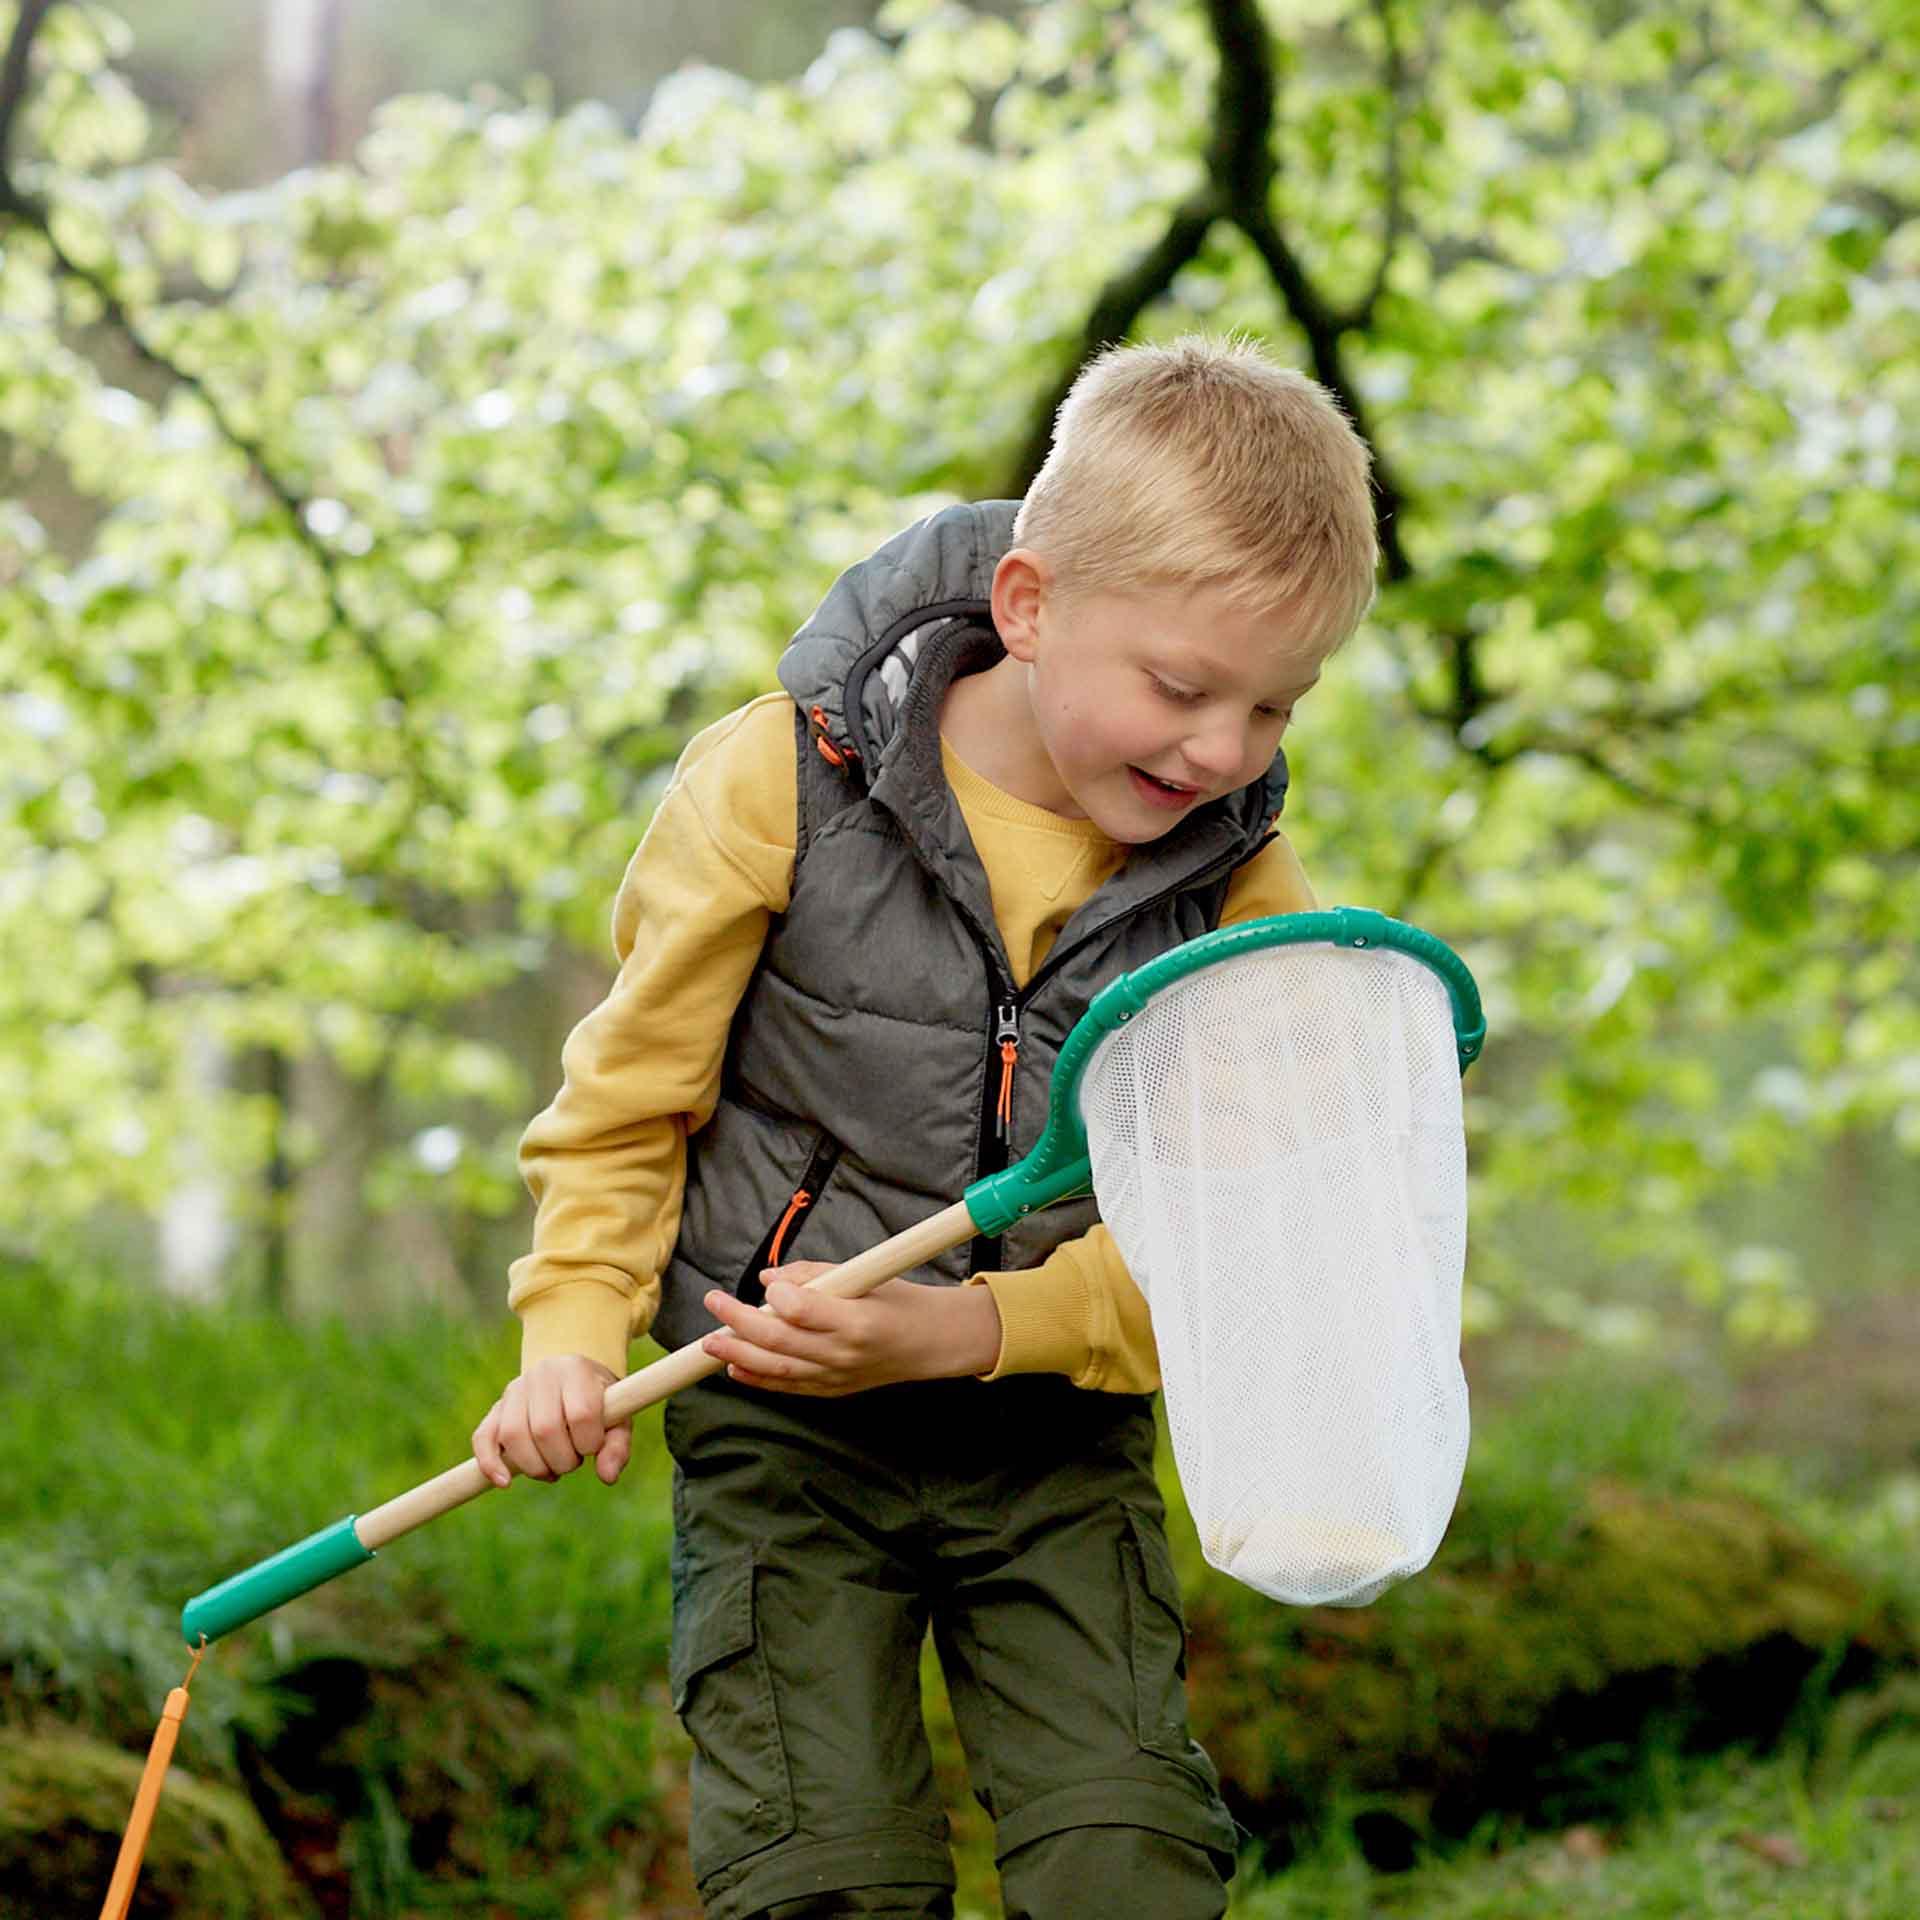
1171, 789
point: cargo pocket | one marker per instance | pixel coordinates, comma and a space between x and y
1158, 1648
723, 1692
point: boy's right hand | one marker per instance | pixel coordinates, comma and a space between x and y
548, 1420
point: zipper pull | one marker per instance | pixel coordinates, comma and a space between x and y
1007, 1033
795, 1207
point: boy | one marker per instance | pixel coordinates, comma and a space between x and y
1018, 752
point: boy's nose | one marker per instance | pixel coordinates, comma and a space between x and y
1215, 752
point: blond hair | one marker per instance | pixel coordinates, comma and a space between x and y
1204, 463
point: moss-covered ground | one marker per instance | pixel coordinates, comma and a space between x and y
1830, 1833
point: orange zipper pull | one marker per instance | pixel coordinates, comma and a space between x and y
1008, 1035
798, 1204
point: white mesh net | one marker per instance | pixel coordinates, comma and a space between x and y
1277, 1146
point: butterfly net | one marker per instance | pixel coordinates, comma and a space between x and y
1277, 1145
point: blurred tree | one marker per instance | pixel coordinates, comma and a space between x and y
485, 466
207, 71
300, 45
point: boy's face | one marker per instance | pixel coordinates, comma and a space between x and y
1148, 705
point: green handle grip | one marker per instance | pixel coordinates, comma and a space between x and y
1002, 1198
294, 1570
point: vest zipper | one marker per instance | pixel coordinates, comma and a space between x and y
996, 1106
814, 1177
1007, 1033
996, 1125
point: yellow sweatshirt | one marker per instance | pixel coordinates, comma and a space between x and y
606, 1161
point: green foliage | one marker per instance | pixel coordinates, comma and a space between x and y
567, 424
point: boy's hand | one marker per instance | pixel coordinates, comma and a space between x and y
548, 1420
806, 1342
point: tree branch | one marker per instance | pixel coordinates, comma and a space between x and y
1586, 754
1420, 869
13, 92
1240, 176
1120, 302
1360, 315
1240, 160
34, 213
1322, 328
1243, 171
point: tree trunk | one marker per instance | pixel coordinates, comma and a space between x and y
300, 53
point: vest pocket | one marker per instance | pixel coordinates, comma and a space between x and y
723, 1692
778, 1243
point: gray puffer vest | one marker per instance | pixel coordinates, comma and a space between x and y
864, 1065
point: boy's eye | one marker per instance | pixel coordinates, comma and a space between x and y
1169, 692
1187, 696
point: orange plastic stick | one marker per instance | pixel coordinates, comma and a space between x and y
146, 1798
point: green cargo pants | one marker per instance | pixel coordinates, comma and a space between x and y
814, 1542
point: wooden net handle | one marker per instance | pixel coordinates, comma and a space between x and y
865, 1271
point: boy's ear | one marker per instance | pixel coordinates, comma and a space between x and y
1019, 589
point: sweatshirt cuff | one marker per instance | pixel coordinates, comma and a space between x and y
593, 1317
1044, 1316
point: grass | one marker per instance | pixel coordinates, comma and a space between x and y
154, 1450
1784, 1838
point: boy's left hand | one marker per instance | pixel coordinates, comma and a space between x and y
806, 1342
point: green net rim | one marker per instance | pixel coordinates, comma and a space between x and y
1059, 1166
